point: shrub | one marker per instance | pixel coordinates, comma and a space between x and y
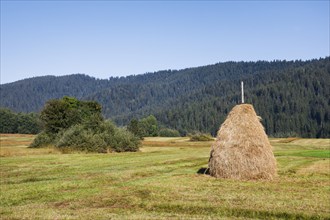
107, 127
43, 139
166, 132
124, 140
80, 139
119, 139
106, 138
201, 137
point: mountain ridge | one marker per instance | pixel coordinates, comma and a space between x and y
197, 98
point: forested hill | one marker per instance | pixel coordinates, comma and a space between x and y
30, 95
292, 97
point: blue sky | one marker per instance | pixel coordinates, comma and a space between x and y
119, 38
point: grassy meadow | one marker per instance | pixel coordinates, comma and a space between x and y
159, 182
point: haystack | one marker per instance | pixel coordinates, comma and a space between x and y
242, 149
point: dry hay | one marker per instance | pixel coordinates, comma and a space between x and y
242, 149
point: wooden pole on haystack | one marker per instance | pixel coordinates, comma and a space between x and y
242, 86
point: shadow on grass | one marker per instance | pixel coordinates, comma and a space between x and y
204, 170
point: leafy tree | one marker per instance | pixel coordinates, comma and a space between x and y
11, 122
146, 127
29, 123
63, 113
135, 128
149, 126
8, 121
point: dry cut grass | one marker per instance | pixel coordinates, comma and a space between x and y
160, 182
16, 145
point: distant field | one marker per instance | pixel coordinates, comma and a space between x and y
159, 182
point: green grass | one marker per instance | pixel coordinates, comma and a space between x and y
305, 153
160, 182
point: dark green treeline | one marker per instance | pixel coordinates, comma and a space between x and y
12, 123
292, 97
